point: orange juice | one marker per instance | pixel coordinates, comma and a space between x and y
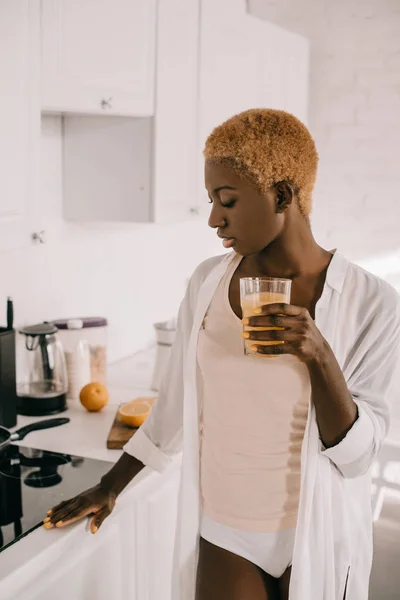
249, 303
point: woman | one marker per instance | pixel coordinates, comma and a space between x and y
275, 491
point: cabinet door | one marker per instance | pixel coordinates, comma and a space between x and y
156, 538
98, 56
19, 120
175, 133
142, 170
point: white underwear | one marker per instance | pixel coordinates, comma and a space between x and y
272, 552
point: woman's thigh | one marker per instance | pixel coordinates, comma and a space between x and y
222, 575
284, 583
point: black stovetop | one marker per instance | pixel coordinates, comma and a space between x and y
32, 481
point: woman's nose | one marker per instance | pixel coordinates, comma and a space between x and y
216, 218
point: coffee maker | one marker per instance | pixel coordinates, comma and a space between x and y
43, 386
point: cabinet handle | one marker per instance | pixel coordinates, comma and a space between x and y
39, 237
194, 210
106, 103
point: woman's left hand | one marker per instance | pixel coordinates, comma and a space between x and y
297, 331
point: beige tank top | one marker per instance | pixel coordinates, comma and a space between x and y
253, 417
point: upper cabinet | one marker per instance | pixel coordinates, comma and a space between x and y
19, 121
163, 72
98, 56
142, 170
176, 111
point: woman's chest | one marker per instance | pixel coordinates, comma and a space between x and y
224, 365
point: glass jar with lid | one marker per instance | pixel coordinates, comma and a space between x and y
94, 331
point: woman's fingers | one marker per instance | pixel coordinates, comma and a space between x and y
60, 514
271, 321
98, 519
74, 516
273, 350
271, 335
58, 507
53, 515
67, 518
281, 309
96, 500
71, 511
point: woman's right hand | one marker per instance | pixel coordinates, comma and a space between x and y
97, 501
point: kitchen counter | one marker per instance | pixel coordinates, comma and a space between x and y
119, 562
133, 544
86, 434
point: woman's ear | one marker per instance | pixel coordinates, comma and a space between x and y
284, 196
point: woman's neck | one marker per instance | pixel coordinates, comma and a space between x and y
295, 253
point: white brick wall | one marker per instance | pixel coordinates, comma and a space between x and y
354, 117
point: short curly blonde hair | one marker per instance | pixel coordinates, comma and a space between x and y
268, 146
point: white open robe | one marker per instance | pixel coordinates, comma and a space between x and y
359, 315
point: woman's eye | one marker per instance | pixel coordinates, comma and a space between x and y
229, 204
210, 201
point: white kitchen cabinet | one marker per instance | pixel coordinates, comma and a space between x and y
129, 558
246, 63
176, 112
142, 170
107, 169
98, 56
19, 121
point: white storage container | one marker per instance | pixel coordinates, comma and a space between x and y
165, 335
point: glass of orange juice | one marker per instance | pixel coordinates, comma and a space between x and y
255, 292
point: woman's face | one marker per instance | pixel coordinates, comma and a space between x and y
247, 220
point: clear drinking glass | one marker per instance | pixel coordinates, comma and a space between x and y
255, 292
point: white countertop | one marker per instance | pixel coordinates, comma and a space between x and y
86, 434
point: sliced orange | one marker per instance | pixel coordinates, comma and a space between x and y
135, 413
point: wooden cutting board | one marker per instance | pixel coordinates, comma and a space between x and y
120, 433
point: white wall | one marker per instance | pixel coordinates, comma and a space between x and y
132, 274
355, 118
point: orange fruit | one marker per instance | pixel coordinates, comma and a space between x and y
94, 396
135, 412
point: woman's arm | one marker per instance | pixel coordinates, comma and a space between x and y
335, 408
118, 477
